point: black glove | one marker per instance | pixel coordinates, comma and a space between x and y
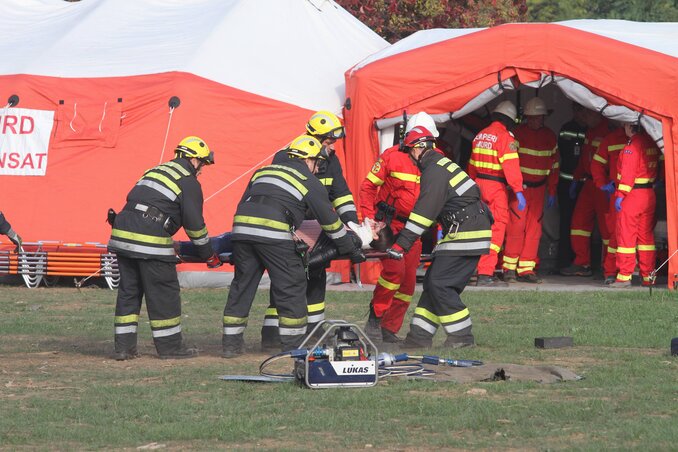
357, 256
213, 261
395, 252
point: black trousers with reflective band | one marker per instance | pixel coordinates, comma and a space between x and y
288, 286
157, 282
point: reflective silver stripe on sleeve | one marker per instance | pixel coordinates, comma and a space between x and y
464, 187
284, 331
347, 208
232, 330
141, 248
158, 187
457, 326
336, 235
462, 246
167, 332
316, 318
125, 329
271, 322
202, 241
246, 230
424, 325
280, 183
414, 228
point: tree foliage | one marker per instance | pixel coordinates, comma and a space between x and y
396, 19
637, 10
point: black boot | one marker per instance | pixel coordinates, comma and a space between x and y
459, 339
417, 338
373, 328
232, 345
125, 346
182, 352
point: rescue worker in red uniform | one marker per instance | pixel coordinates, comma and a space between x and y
392, 186
539, 167
451, 198
604, 172
591, 203
495, 167
635, 203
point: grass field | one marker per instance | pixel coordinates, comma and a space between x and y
59, 390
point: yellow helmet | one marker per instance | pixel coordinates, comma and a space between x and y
195, 147
325, 124
305, 147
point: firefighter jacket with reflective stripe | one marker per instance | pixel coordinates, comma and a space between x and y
4, 225
277, 198
604, 162
393, 179
164, 199
335, 183
593, 138
637, 164
448, 192
538, 153
495, 154
570, 143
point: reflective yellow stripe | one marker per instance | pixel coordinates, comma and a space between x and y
482, 151
495, 248
132, 318
535, 152
342, 200
595, 143
298, 185
485, 234
486, 165
624, 250
403, 297
457, 179
327, 181
271, 311
621, 277
374, 179
405, 176
165, 180
444, 161
316, 307
332, 227
624, 188
170, 171
387, 284
611, 250
616, 147
605, 242
427, 314
178, 167
142, 237
535, 172
600, 159
580, 232
510, 156
511, 260
421, 220
647, 248
527, 263
289, 321
261, 222
454, 317
228, 320
196, 234
167, 322
643, 180
508, 266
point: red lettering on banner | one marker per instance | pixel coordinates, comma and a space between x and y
24, 120
10, 121
13, 160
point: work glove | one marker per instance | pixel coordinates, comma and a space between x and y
15, 238
395, 252
573, 189
608, 188
550, 201
357, 256
618, 203
213, 261
522, 203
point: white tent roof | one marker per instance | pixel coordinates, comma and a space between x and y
661, 37
295, 51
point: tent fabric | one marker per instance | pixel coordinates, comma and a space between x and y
441, 75
248, 75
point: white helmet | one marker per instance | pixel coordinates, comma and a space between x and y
506, 108
422, 119
535, 107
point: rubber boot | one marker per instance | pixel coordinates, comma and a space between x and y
173, 347
232, 345
125, 346
459, 339
373, 328
417, 338
270, 339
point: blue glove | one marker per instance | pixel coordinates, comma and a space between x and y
573, 189
522, 203
608, 188
550, 201
618, 203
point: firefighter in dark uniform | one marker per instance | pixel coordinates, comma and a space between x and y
6, 229
450, 197
272, 208
570, 143
327, 129
166, 198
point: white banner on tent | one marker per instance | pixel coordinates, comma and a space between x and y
24, 141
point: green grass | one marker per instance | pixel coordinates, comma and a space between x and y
59, 389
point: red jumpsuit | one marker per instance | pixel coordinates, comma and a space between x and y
604, 170
591, 203
494, 166
636, 174
394, 179
539, 164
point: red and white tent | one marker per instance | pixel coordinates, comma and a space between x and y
94, 81
624, 69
